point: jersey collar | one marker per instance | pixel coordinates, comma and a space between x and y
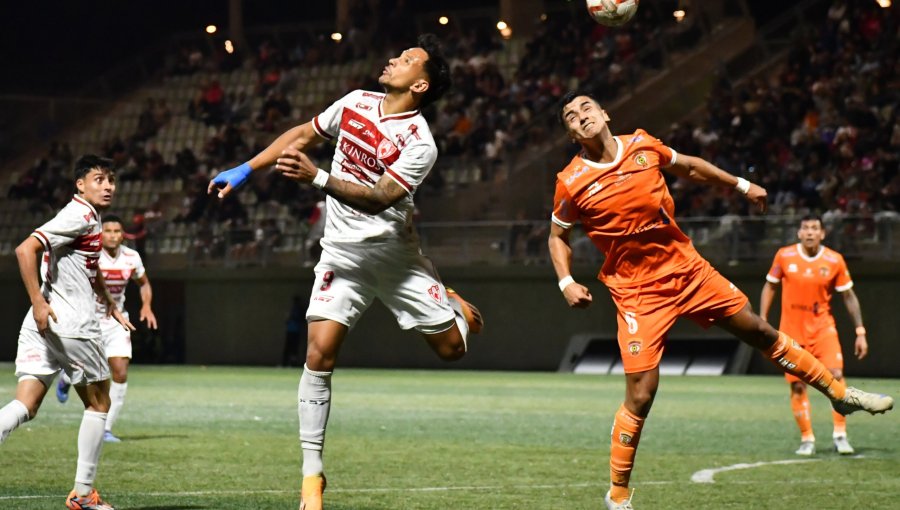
394, 116
807, 258
86, 204
614, 162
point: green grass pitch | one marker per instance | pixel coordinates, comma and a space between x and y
226, 438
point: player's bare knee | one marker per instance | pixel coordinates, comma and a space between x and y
798, 388
452, 352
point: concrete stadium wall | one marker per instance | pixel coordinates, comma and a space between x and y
237, 317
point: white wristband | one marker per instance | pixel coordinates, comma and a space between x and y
320, 179
743, 185
565, 282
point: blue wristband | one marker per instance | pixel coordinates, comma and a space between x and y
235, 176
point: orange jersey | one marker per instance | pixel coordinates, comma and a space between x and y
626, 210
807, 287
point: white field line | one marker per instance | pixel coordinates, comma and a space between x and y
707, 475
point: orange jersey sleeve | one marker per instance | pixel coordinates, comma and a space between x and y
626, 210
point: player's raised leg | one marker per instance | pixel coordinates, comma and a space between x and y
63, 385
29, 394
314, 404
793, 359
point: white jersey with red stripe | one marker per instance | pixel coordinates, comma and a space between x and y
369, 145
117, 270
68, 269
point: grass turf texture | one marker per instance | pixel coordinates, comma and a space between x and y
226, 438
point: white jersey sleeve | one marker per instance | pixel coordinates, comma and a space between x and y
328, 123
62, 230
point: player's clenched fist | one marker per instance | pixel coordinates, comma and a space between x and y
577, 295
296, 165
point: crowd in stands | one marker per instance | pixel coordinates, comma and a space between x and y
822, 133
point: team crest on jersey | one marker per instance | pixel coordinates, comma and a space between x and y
823, 271
363, 106
435, 292
634, 347
792, 268
385, 149
640, 159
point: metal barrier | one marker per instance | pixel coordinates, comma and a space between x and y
727, 239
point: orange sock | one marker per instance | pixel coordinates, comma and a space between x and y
796, 361
626, 434
840, 423
800, 405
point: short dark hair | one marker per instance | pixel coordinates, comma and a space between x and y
111, 218
436, 67
812, 217
88, 162
568, 98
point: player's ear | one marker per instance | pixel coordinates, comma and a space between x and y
605, 116
419, 86
79, 185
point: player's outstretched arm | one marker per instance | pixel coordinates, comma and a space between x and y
577, 295
146, 298
302, 137
700, 170
296, 165
861, 345
26, 255
766, 298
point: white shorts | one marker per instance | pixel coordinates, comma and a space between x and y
116, 339
350, 277
42, 357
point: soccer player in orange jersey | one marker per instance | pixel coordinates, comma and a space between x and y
809, 272
616, 189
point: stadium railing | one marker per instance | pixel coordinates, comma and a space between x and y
726, 240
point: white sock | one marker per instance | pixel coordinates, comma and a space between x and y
117, 400
12, 416
314, 403
460, 321
90, 442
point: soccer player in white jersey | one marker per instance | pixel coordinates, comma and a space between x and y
370, 249
119, 265
61, 331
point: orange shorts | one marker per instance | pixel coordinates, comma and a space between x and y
823, 344
646, 312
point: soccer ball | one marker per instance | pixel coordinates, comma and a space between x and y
612, 13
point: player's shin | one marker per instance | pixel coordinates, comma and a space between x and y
90, 443
12, 416
314, 397
800, 406
787, 354
626, 433
116, 401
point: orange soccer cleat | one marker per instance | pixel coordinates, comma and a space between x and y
90, 502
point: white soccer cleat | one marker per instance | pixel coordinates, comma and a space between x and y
856, 400
843, 446
612, 505
807, 449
